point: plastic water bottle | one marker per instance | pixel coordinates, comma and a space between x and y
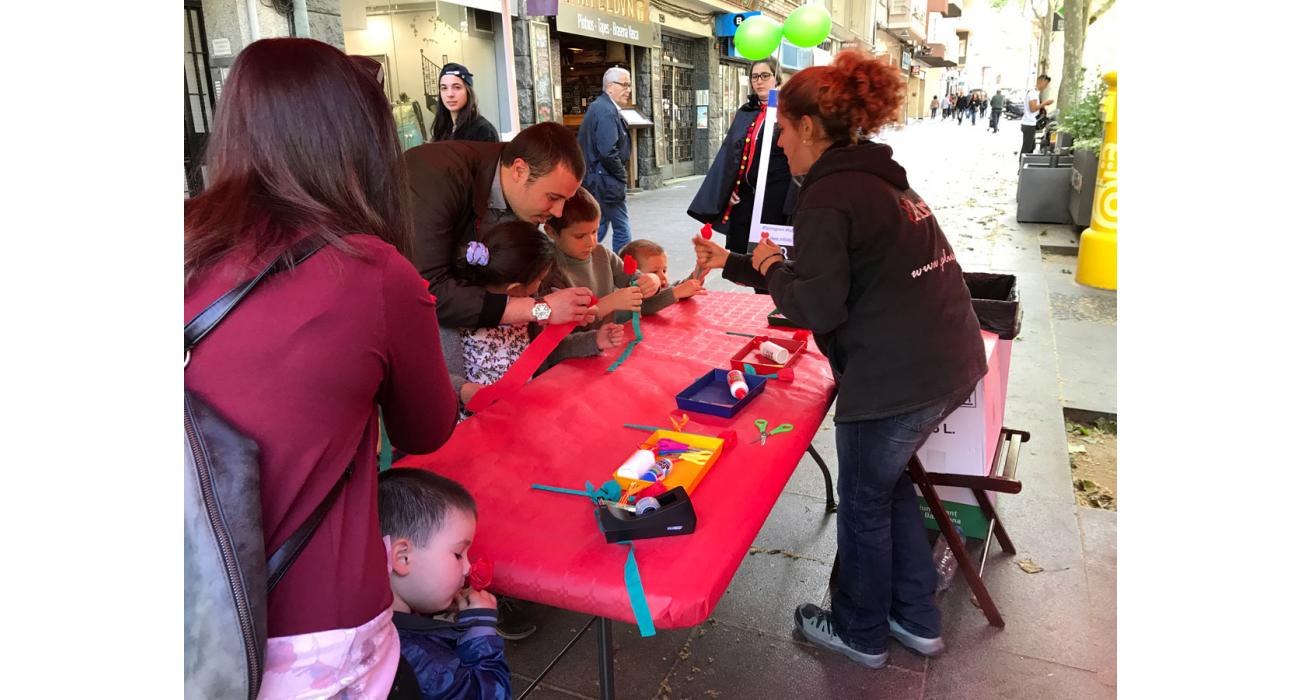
945, 561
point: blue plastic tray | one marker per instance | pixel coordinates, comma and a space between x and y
709, 394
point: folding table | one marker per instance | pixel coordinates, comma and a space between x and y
565, 427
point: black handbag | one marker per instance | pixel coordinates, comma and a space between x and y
227, 573
1042, 119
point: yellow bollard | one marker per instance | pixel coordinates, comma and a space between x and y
1098, 247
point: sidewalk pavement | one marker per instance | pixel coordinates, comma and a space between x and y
1059, 641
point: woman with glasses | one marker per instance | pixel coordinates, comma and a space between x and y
726, 197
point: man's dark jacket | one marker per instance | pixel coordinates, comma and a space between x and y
606, 147
450, 183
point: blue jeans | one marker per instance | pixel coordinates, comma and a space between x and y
885, 563
617, 215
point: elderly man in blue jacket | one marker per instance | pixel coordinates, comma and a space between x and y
606, 146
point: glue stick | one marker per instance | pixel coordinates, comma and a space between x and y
638, 464
774, 352
736, 384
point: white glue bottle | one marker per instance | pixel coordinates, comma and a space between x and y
637, 465
774, 352
736, 384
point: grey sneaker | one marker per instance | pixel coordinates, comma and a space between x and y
814, 624
925, 646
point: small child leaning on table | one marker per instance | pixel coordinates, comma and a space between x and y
428, 523
512, 258
652, 259
581, 261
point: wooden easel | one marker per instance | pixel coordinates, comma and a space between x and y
1001, 478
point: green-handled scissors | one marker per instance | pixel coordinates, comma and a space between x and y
763, 432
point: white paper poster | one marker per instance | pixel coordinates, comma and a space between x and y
781, 235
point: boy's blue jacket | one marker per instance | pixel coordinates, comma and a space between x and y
465, 659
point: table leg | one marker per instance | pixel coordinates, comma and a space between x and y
605, 658
826, 473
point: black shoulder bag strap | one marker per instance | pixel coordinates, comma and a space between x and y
203, 323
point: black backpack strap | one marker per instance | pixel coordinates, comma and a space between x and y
202, 324
208, 318
279, 562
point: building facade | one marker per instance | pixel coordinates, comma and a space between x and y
542, 60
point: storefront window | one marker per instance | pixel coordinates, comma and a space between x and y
414, 44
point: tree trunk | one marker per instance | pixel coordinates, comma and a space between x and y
1076, 35
1045, 34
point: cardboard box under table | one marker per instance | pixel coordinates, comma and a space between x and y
967, 441
565, 428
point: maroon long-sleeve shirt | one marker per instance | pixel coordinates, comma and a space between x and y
300, 366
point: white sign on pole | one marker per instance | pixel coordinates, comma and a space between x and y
783, 236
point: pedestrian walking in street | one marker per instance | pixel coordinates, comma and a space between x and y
974, 106
726, 197
606, 145
304, 363
996, 105
963, 106
984, 104
1029, 122
934, 106
457, 117
877, 283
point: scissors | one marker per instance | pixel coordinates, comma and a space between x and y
763, 432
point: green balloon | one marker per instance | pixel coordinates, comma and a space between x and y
757, 37
808, 26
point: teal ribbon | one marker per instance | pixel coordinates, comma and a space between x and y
626, 351
610, 491
749, 369
636, 594
637, 337
385, 448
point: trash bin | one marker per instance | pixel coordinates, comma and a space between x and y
996, 301
1043, 192
1083, 183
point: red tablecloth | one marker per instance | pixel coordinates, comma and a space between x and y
565, 428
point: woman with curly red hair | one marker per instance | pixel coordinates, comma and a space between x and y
874, 278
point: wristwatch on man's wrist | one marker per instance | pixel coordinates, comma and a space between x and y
541, 311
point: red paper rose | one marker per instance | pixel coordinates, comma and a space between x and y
480, 574
706, 231
629, 265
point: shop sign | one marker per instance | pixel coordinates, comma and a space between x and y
625, 21
906, 60
725, 25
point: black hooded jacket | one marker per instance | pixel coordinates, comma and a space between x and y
715, 191
876, 281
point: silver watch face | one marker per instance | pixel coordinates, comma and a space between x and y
541, 311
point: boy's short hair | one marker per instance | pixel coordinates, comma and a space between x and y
414, 503
640, 247
580, 207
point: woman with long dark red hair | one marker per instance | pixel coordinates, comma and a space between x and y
874, 278
304, 147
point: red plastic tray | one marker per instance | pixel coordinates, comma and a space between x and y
749, 355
